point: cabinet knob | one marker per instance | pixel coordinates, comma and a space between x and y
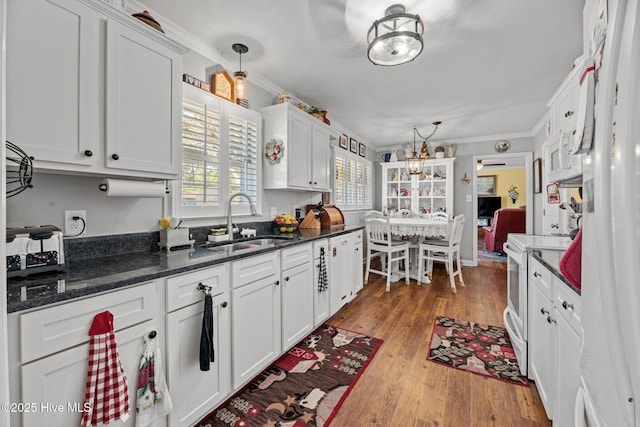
88, 153
286, 279
567, 306
224, 304
315, 183
115, 156
277, 282
544, 311
536, 274
550, 320
310, 182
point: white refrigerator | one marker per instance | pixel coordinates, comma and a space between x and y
610, 355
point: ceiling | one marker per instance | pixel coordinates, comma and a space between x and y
488, 67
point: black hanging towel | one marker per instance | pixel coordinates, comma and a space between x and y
323, 282
207, 354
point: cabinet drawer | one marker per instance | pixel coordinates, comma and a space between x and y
253, 268
541, 277
297, 255
568, 305
53, 329
183, 290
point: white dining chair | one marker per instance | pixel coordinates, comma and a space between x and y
380, 243
446, 251
440, 216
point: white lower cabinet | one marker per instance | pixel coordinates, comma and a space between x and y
345, 268
256, 318
554, 340
52, 365
56, 384
321, 298
297, 294
195, 392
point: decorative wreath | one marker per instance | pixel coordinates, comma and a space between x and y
273, 150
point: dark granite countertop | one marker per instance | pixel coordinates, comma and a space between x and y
550, 258
98, 274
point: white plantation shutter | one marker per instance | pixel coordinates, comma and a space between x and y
221, 142
200, 155
243, 158
352, 181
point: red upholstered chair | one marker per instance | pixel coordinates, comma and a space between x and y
505, 221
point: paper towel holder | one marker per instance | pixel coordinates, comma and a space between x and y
104, 188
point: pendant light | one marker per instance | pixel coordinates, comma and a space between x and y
241, 77
396, 38
415, 163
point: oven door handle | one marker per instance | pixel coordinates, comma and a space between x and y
513, 253
511, 329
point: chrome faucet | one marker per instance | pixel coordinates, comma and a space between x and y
229, 224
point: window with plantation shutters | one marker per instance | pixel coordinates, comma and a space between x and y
243, 158
200, 155
220, 146
352, 181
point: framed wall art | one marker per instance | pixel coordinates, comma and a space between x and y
362, 150
342, 141
487, 185
353, 145
537, 175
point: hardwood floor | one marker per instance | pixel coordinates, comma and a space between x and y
400, 387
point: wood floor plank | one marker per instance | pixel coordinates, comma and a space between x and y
401, 387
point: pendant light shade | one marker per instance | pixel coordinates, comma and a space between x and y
396, 38
241, 77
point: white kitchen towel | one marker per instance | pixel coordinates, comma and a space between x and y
107, 391
153, 400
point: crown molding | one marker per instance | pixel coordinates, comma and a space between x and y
199, 46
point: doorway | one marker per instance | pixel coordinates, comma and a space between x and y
496, 163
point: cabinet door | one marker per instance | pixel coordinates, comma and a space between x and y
256, 328
320, 159
541, 348
341, 271
195, 392
299, 152
60, 379
143, 98
297, 304
358, 280
568, 378
53, 81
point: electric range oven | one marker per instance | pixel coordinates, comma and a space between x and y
515, 314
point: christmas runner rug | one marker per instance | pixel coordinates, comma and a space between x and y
305, 387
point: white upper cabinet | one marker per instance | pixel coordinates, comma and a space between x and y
306, 160
92, 90
143, 102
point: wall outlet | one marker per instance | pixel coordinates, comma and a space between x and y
469, 198
75, 227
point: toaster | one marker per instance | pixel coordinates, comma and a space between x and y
34, 250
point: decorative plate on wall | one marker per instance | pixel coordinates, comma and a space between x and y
502, 146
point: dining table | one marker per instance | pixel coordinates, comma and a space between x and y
416, 229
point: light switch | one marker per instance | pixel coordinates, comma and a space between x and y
469, 198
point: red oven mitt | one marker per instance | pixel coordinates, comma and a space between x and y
571, 262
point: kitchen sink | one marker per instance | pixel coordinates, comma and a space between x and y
251, 243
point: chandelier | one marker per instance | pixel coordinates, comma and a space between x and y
396, 38
415, 163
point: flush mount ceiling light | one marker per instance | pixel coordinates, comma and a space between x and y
415, 163
396, 38
241, 77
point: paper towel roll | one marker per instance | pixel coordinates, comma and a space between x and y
125, 188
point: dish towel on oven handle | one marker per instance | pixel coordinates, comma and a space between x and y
207, 352
323, 282
107, 391
153, 400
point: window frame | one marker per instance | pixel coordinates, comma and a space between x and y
367, 164
240, 205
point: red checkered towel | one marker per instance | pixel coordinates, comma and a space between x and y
107, 392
